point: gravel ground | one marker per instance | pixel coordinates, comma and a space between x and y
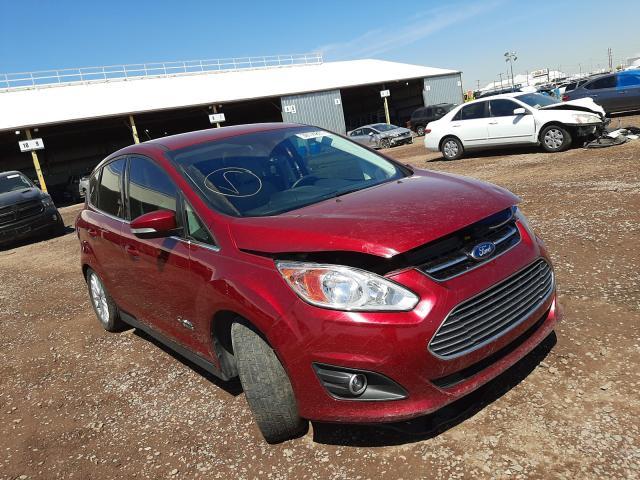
78, 402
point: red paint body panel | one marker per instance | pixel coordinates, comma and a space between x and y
161, 280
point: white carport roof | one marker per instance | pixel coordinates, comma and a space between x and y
56, 104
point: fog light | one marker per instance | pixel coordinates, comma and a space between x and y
357, 384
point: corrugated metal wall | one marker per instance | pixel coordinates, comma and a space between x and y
323, 109
443, 89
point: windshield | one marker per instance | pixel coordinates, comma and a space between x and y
384, 127
537, 100
272, 172
14, 181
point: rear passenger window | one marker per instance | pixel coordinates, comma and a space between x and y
473, 111
110, 187
150, 188
93, 188
605, 82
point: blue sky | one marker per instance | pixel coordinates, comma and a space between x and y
467, 35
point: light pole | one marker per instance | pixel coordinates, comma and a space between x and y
511, 57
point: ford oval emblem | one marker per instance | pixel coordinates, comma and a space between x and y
483, 250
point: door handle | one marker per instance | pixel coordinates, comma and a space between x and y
92, 232
133, 251
455, 125
493, 123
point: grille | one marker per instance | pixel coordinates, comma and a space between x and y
451, 257
22, 210
494, 312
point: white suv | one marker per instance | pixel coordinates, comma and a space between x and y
513, 119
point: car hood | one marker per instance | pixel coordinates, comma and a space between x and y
384, 220
394, 132
18, 196
579, 104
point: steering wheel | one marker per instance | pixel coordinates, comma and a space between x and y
305, 180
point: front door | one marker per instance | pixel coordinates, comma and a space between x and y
505, 127
158, 289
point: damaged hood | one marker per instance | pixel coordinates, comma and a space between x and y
385, 220
11, 198
580, 104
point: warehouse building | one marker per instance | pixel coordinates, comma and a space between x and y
83, 115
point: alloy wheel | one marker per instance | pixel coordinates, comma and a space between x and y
99, 298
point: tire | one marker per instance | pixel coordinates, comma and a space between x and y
451, 148
103, 305
555, 138
266, 386
420, 131
59, 228
385, 143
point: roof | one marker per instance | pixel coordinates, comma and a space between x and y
65, 103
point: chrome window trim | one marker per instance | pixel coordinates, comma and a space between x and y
213, 248
525, 316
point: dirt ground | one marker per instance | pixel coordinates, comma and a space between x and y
78, 402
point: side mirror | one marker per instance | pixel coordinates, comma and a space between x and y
520, 111
158, 224
371, 134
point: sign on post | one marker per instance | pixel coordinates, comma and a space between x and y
31, 145
385, 93
217, 118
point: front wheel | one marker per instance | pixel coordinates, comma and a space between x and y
420, 131
385, 143
266, 386
555, 138
452, 148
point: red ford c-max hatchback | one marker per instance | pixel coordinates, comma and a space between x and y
338, 284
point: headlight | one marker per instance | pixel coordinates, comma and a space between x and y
46, 202
345, 288
586, 118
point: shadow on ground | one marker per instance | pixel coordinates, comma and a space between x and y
232, 387
430, 426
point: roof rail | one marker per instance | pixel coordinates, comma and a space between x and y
49, 78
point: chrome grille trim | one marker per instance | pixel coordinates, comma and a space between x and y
485, 317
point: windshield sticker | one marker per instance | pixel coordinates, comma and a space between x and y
15, 175
233, 182
310, 135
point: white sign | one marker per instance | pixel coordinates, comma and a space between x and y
385, 93
289, 109
540, 73
337, 101
29, 145
459, 83
427, 88
217, 118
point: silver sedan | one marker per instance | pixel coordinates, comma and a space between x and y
381, 135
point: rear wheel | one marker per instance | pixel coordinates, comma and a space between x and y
266, 386
451, 148
555, 138
420, 131
103, 305
385, 143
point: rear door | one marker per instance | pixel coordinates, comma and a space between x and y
604, 92
628, 91
357, 136
471, 124
507, 128
105, 220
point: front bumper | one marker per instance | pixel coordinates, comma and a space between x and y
395, 345
408, 138
30, 226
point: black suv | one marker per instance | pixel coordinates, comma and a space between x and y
423, 115
25, 210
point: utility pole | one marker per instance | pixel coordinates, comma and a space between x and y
36, 164
610, 55
511, 57
478, 85
500, 80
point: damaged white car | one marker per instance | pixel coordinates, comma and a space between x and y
514, 119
